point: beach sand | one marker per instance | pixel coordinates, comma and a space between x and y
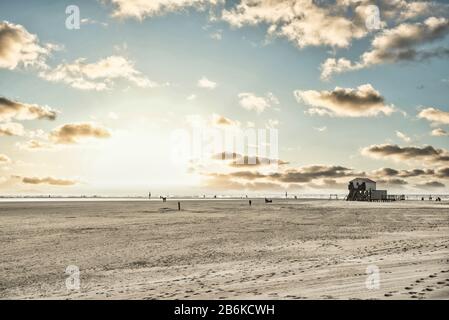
316, 249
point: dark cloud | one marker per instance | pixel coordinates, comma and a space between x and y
392, 182
10, 109
292, 178
48, 180
363, 101
389, 172
238, 160
431, 185
443, 172
72, 133
396, 152
307, 174
403, 42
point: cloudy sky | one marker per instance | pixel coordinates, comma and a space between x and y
352, 90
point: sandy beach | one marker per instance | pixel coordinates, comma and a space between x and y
317, 249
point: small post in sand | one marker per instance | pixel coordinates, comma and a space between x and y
179, 206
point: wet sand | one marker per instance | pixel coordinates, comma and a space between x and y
224, 249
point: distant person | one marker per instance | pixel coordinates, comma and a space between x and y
250, 203
149, 195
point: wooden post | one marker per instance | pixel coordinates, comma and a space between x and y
179, 206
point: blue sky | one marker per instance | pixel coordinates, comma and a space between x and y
174, 48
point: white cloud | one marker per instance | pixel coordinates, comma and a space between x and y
19, 47
191, 97
217, 35
250, 101
303, 22
97, 76
4, 159
113, 116
11, 129
206, 83
434, 115
403, 136
139, 9
87, 21
272, 124
321, 129
439, 133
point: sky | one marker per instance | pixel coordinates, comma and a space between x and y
114, 97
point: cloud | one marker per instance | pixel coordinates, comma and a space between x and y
392, 182
227, 182
310, 173
4, 159
217, 35
364, 101
403, 136
47, 180
206, 83
431, 185
395, 152
303, 22
32, 145
10, 109
443, 172
250, 101
272, 124
19, 47
221, 121
72, 133
314, 176
320, 129
389, 172
191, 97
11, 129
238, 160
434, 115
401, 43
139, 9
439, 133
89, 21
99, 75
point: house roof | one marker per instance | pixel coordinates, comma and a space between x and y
364, 180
